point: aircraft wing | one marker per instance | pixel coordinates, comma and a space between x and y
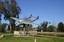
29, 17
26, 22
14, 18
21, 21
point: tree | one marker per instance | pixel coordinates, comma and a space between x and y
51, 28
1, 9
3, 27
10, 10
60, 27
44, 26
0, 27
0, 18
39, 28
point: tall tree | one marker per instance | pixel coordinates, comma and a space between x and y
39, 28
60, 27
1, 9
0, 27
11, 9
44, 26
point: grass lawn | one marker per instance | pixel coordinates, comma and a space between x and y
31, 39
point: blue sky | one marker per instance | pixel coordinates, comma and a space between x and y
47, 10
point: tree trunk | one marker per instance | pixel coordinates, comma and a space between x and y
12, 25
0, 18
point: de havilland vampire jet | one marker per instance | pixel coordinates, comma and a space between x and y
28, 20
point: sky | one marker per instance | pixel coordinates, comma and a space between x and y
47, 10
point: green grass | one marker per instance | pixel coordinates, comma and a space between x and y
31, 39
50, 39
